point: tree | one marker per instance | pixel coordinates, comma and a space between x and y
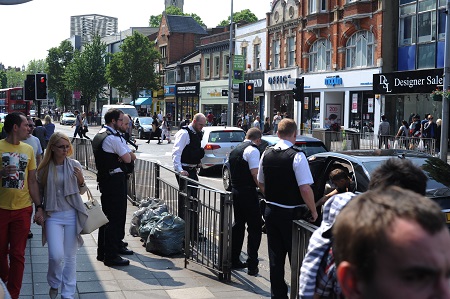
133, 68
57, 61
243, 15
155, 21
14, 77
86, 72
3, 79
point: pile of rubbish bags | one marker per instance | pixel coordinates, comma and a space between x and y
161, 231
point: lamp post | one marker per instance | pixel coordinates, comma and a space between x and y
445, 108
230, 72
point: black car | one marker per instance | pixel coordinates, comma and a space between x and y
143, 128
361, 163
309, 145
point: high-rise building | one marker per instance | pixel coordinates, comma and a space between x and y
176, 3
87, 26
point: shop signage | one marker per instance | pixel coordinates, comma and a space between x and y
424, 81
333, 80
191, 89
278, 79
169, 90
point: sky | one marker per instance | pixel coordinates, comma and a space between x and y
29, 30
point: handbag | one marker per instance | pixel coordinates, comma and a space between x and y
96, 217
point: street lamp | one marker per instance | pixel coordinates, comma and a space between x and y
230, 72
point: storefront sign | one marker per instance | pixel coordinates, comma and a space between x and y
355, 103
370, 105
191, 89
278, 79
169, 90
424, 81
333, 80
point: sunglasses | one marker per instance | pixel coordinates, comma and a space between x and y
63, 146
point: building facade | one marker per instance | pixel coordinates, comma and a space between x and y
87, 26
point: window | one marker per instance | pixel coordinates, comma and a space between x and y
441, 24
226, 64
315, 6
171, 76
360, 49
216, 66
426, 55
257, 58
163, 51
320, 56
407, 35
276, 54
207, 67
197, 72
244, 53
291, 49
187, 76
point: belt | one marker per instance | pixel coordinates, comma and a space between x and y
189, 165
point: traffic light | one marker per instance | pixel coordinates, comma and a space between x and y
299, 90
41, 86
30, 88
241, 92
249, 92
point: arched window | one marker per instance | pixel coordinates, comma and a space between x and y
320, 56
360, 49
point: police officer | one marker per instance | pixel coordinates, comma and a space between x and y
187, 153
285, 178
244, 162
111, 156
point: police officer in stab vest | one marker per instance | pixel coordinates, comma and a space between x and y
285, 178
244, 162
111, 159
187, 153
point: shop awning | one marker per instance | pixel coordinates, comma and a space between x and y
142, 102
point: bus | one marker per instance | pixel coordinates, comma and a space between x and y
12, 99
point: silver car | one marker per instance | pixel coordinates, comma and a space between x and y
218, 142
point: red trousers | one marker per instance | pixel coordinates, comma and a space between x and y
14, 228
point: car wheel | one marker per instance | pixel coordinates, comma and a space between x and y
141, 134
226, 178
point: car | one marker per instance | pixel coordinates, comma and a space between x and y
68, 118
309, 145
33, 113
362, 163
218, 142
143, 128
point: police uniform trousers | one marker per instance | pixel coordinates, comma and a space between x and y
246, 211
279, 241
192, 191
114, 204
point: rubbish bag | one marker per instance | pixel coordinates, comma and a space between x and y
146, 227
136, 222
153, 211
150, 202
166, 237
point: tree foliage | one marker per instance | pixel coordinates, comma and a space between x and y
243, 15
86, 72
133, 68
57, 61
14, 77
3, 80
155, 21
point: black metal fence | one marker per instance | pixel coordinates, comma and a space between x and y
207, 212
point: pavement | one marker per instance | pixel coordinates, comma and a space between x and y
147, 276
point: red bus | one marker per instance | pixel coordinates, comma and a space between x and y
12, 99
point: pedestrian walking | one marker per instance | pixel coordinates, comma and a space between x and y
276, 120
49, 128
383, 132
285, 178
165, 133
78, 124
111, 156
244, 164
84, 126
39, 131
19, 185
61, 181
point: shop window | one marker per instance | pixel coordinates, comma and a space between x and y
360, 49
207, 66
426, 55
320, 56
291, 48
276, 54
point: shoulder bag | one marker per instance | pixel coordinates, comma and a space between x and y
96, 217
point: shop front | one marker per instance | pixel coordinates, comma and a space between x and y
403, 94
257, 106
213, 99
169, 101
279, 93
340, 99
187, 100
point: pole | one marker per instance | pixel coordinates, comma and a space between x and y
446, 85
230, 73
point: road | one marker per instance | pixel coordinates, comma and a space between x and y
162, 153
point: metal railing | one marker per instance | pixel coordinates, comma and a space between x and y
207, 212
301, 233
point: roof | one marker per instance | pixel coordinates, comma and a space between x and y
184, 24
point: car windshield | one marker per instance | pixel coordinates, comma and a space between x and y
69, 115
145, 121
436, 170
310, 148
226, 136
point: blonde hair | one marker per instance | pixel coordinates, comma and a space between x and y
47, 119
47, 161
